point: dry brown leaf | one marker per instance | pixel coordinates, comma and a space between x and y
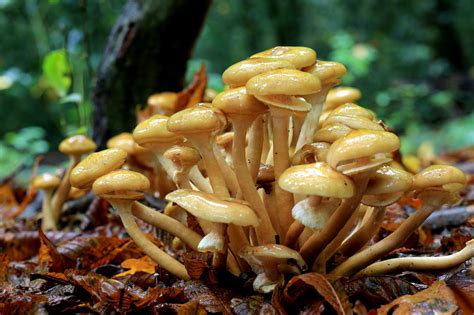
302, 286
49, 257
197, 264
437, 299
194, 92
192, 308
144, 264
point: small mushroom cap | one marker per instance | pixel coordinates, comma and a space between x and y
238, 101
183, 156
353, 122
351, 109
122, 141
210, 207
225, 140
266, 174
201, 118
77, 145
341, 95
153, 132
327, 71
46, 181
316, 179
163, 103
298, 56
389, 180
238, 74
211, 242
314, 217
271, 254
444, 177
311, 153
386, 186
96, 165
121, 184
331, 132
283, 82
362, 144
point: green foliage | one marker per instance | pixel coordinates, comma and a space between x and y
57, 72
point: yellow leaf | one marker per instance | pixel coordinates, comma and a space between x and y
144, 264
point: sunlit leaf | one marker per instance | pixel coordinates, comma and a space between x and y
56, 70
144, 264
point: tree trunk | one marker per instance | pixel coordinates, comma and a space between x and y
146, 52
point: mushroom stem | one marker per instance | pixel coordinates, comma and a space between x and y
61, 194
281, 160
296, 228
363, 235
319, 264
229, 175
124, 208
255, 147
266, 138
167, 224
265, 232
420, 263
48, 222
431, 201
199, 180
311, 121
318, 241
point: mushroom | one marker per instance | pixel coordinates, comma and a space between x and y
331, 132
121, 189
47, 183
269, 262
242, 109
183, 158
279, 90
318, 181
73, 147
163, 103
328, 73
341, 95
221, 212
299, 56
358, 154
385, 187
435, 186
420, 263
311, 153
103, 162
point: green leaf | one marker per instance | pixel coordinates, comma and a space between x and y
57, 72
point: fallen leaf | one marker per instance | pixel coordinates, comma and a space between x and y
144, 264
462, 284
437, 299
192, 308
301, 288
198, 264
49, 257
252, 305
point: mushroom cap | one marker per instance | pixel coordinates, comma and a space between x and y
238, 74
316, 179
163, 103
46, 181
201, 118
96, 165
283, 82
327, 71
238, 101
225, 140
122, 141
182, 156
77, 145
121, 184
311, 153
298, 56
351, 109
331, 132
153, 132
314, 217
386, 186
440, 177
266, 174
210, 207
353, 122
272, 254
341, 95
371, 145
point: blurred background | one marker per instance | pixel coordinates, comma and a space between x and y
412, 60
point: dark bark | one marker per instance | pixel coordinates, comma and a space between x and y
146, 52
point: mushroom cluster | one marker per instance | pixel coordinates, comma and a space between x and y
282, 172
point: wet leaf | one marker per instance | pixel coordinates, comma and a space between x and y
191, 308
462, 284
378, 290
302, 288
252, 305
198, 264
144, 264
437, 299
214, 301
49, 257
